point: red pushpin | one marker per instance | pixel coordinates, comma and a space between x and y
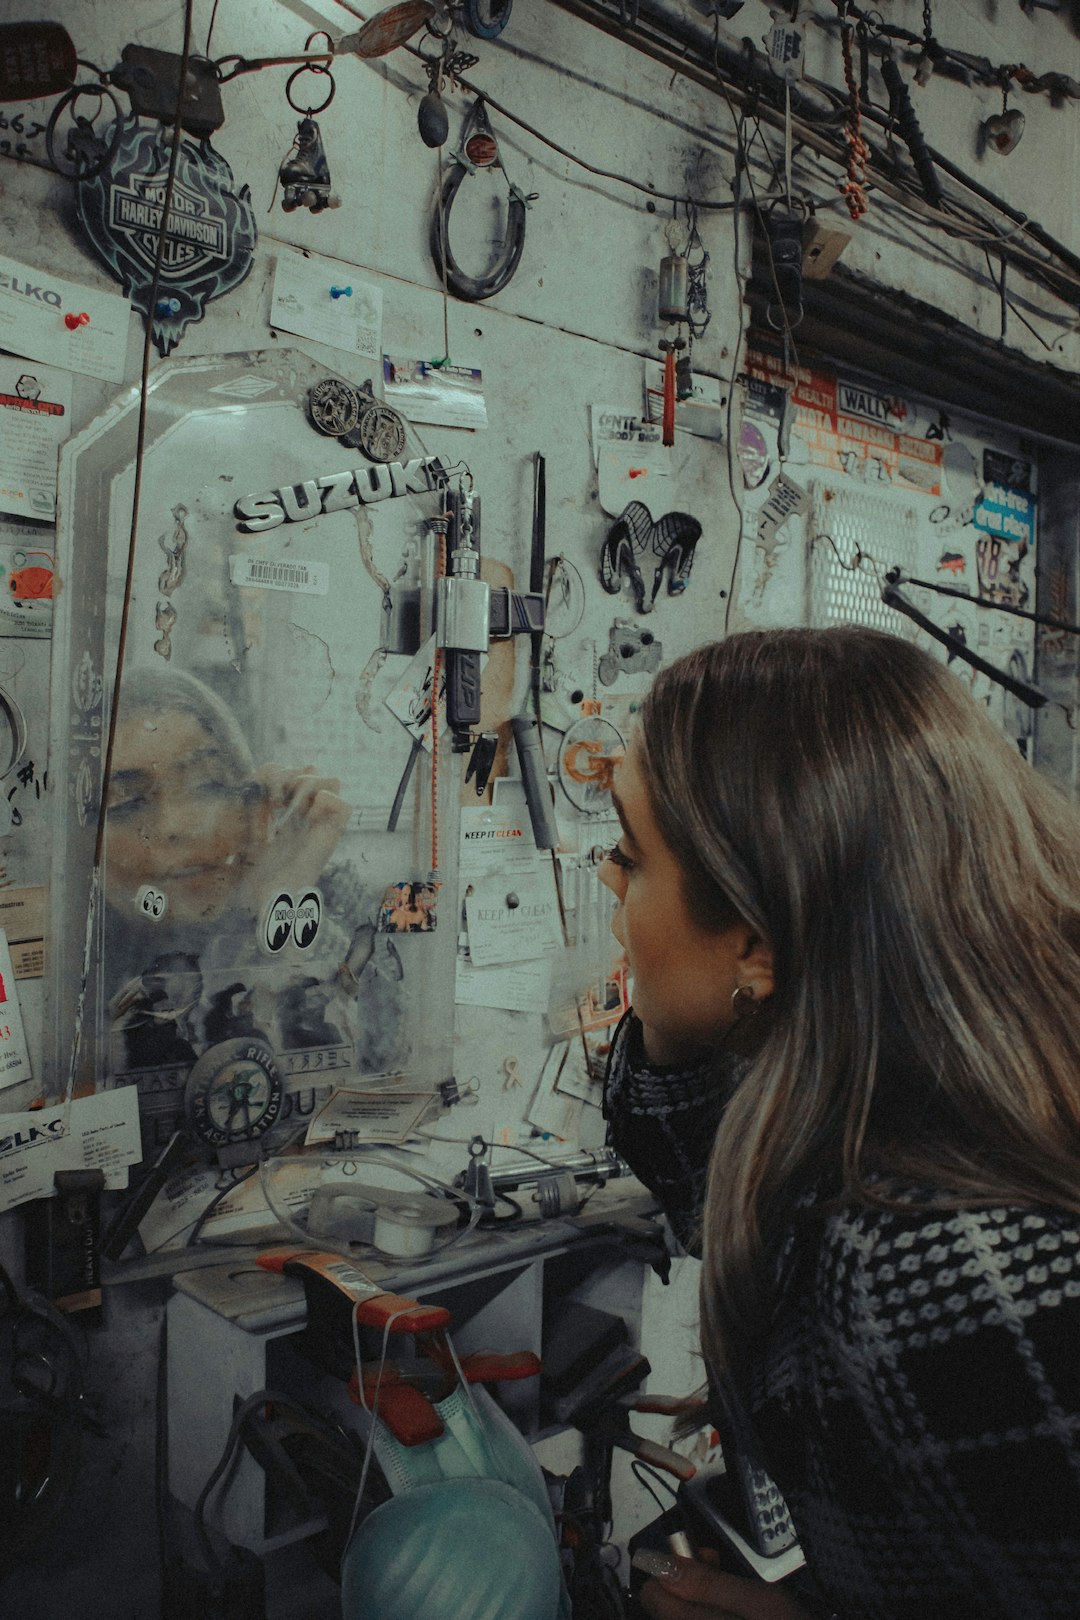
73, 322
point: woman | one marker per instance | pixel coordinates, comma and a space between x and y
852, 916
190, 814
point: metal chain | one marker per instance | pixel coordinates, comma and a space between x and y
698, 312
853, 188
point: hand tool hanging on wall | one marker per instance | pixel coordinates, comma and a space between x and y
908, 124
537, 571
462, 615
479, 150
674, 309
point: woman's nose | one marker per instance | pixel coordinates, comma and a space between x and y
173, 821
610, 876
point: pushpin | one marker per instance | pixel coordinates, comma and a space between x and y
73, 322
341, 292
166, 307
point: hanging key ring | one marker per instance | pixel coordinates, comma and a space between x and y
309, 112
84, 166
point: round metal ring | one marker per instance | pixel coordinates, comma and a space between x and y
320, 33
16, 723
309, 112
68, 100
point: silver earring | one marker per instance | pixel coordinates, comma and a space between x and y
744, 1003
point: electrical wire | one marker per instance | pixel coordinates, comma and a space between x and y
738, 500
286, 1218
855, 565
1063, 271
219, 1197
129, 576
639, 1470
230, 1455
818, 135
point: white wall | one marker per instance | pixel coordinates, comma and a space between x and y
572, 330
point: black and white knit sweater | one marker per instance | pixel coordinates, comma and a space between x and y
918, 1399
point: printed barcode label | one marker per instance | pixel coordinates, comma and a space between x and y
275, 574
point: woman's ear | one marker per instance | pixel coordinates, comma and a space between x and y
754, 969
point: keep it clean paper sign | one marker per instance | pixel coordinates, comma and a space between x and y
513, 917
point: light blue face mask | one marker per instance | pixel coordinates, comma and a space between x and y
469, 1533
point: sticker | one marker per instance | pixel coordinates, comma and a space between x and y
286, 919
22, 917
1008, 514
845, 426
449, 396
234, 1091
753, 455
277, 574
210, 232
26, 581
1012, 471
785, 498
952, 562
35, 418
855, 399
408, 908
151, 902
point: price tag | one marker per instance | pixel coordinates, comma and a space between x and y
783, 41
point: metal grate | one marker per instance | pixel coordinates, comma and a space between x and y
859, 520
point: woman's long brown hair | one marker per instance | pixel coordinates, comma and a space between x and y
920, 886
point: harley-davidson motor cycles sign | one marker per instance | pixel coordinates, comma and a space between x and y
209, 234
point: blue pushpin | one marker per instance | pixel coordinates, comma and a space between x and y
166, 307
341, 292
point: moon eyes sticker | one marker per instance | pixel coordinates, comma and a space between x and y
286, 919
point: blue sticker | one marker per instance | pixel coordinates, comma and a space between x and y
1007, 514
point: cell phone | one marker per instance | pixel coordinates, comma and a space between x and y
744, 1510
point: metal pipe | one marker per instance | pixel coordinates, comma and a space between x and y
692, 52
